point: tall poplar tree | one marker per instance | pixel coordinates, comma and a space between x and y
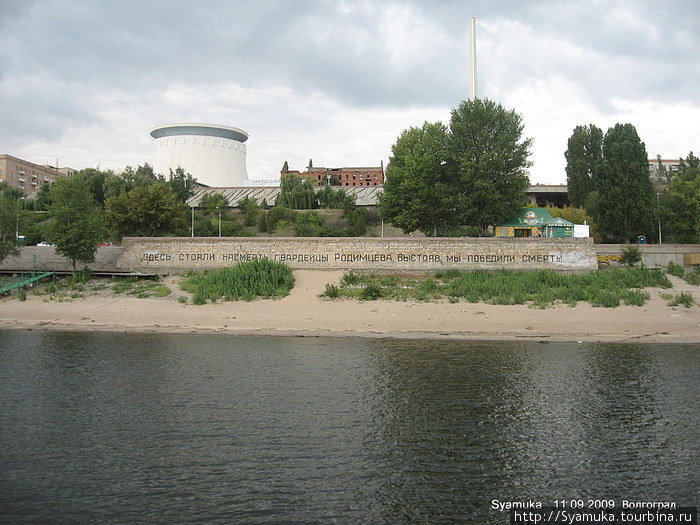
583, 157
490, 155
625, 208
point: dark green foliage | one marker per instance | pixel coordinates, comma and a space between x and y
147, 211
631, 255
232, 228
259, 278
625, 206
77, 223
371, 292
307, 224
675, 269
297, 193
693, 276
250, 210
584, 155
351, 279
681, 203
182, 183
357, 221
212, 203
328, 197
419, 188
332, 291
277, 215
10, 217
490, 155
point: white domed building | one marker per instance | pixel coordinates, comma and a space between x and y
212, 154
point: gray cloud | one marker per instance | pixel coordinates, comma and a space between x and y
70, 57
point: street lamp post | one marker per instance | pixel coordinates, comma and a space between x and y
658, 211
192, 221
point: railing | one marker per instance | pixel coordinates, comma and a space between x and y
24, 279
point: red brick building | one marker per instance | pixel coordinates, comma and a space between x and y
339, 176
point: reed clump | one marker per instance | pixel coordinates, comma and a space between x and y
245, 281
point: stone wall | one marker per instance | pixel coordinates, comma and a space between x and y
177, 255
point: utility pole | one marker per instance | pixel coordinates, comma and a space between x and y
472, 82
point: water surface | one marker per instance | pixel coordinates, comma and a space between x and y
119, 428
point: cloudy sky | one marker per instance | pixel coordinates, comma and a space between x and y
83, 81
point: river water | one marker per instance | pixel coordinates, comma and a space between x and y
125, 428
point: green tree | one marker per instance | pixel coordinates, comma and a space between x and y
297, 193
250, 209
681, 204
147, 211
77, 222
419, 188
182, 183
583, 157
10, 217
490, 155
328, 197
625, 207
212, 203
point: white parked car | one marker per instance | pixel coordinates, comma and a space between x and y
44, 243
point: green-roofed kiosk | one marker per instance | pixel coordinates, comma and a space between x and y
535, 222
530, 222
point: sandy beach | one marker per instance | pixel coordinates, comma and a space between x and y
304, 313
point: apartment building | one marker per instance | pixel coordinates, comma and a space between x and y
24, 174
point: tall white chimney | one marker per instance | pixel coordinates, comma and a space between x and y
472, 40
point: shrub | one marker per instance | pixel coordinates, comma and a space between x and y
371, 292
182, 299
332, 291
22, 294
350, 279
231, 228
631, 255
675, 269
693, 277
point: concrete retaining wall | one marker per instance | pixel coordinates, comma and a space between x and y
177, 255
174, 255
653, 255
46, 258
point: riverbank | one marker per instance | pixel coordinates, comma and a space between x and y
304, 313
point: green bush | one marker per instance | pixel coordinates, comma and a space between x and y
631, 255
675, 269
371, 292
693, 276
332, 291
259, 278
350, 279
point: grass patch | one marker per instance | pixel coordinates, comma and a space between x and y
675, 269
540, 289
245, 281
141, 288
683, 298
